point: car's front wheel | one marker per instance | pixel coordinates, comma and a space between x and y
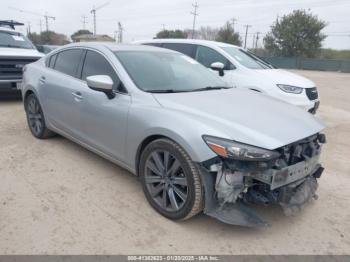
35, 118
171, 181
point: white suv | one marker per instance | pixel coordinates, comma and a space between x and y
16, 51
243, 69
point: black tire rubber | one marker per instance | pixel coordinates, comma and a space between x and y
45, 132
194, 203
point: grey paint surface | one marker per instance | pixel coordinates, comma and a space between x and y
115, 128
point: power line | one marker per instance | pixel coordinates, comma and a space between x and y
195, 14
84, 22
46, 16
40, 26
233, 22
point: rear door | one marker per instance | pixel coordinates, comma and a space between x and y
61, 91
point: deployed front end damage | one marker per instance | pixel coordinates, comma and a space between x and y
287, 177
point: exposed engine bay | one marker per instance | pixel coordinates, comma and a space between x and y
289, 181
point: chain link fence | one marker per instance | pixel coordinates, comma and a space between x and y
310, 63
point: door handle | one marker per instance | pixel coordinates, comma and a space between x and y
77, 95
42, 80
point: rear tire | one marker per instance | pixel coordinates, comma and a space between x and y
171, 181
35, 118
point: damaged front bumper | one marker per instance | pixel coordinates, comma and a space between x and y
290, 181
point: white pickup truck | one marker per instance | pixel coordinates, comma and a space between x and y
16, 50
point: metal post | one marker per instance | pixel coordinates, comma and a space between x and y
194, 17
246, 33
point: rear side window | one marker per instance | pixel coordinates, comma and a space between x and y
52, 61
96, 64
206, 56
186, 49
68, 61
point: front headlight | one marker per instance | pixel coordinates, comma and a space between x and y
290, 89
231, 149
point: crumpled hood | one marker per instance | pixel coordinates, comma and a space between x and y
20, 52
244, 116
279, 76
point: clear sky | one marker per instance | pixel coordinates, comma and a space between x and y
143, 19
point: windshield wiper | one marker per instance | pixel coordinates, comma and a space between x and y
167, 91
211, 88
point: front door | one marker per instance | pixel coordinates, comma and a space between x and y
104, 120
206, 56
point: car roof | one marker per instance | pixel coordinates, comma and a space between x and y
186, 41
119, 47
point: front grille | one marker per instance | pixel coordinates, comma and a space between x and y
311, 93
300, 150
11, 68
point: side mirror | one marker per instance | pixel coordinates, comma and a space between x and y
218, 66
101, 83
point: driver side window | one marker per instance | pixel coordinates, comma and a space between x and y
206, 56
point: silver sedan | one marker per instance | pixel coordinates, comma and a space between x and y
196, 143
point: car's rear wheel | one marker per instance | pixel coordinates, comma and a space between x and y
171, 181
35, 118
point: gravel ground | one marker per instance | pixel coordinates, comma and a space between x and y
58, 198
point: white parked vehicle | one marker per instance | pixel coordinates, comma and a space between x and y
242, 69
16, 51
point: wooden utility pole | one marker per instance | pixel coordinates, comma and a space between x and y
246, 33
195, 14
120, 32
84, 21
256, 40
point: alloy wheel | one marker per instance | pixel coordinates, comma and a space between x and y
35, 116
166, 180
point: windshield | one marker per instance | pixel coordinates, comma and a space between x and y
168, 72
14, 40
247, 59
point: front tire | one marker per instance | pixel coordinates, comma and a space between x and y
170, 180
35, 118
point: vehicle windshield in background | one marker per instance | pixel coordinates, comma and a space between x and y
247, 59
14, 40
168, 72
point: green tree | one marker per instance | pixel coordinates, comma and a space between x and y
208, 33
171, 34
35, 38
295, 34
228, 35
48, 38
81, 32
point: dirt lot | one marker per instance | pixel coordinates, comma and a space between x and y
58, 198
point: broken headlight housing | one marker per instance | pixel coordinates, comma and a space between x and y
290, 89
239, 151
